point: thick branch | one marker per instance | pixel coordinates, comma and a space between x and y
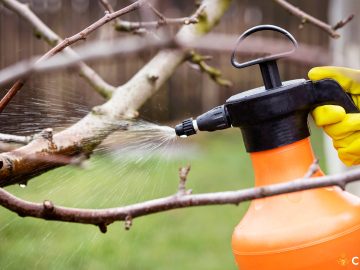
304, 17
86, 134
43, 31
103, 217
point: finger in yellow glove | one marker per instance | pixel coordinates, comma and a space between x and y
344, 129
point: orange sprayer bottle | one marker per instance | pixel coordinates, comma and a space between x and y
313, 229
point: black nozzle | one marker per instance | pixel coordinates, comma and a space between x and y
215, 119
186, 128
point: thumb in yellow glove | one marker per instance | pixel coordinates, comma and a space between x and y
344, 129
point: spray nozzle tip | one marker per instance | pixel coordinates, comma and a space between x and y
185, 129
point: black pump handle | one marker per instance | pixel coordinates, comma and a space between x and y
266, 58
330, 92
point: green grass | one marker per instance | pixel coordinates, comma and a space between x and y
197, 238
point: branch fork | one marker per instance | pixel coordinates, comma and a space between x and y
183, 174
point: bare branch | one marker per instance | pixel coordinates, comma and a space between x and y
304, 17
183, 174
140, 27
103, 217
11, 94
313, 169
344, 22
214, 73
43, 31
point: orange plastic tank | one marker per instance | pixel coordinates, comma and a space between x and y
314, 229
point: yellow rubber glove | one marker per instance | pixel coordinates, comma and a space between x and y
344, 129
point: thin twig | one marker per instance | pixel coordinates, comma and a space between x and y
344, 22
141, 27
313, 169
305, 17
214, 73
183, 174
11, 93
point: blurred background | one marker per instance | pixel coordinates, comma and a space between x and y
127, 170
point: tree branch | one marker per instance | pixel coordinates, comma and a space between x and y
183, 174
304, 17
140, 27
214, 73
86, 134
44, 32
103, 217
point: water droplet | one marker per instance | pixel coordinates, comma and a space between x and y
22, 185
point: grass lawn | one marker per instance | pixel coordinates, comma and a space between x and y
197, 238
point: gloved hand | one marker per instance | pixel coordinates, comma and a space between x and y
344, 129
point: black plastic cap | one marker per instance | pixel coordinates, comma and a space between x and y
215, 119
186, 128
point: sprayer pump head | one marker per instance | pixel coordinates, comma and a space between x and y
275, 114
